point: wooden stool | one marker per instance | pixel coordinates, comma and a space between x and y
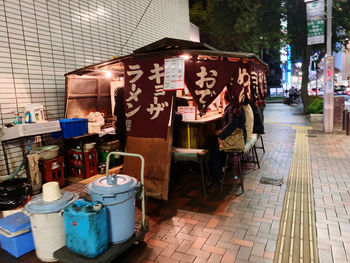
200, 156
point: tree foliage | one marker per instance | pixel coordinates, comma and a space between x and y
246, 26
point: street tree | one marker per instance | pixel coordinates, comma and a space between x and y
296, 36
242, 26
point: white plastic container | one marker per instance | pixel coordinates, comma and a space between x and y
46, 219
36, 112
94, 127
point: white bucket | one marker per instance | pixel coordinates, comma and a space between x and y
47, 222
48, 234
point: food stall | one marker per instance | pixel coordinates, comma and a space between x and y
153, 77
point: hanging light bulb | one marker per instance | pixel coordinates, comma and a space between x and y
108, 74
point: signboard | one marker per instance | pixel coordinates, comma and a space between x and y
174, 74
147, 105
315, 9
315, 22
188, 112
315, 32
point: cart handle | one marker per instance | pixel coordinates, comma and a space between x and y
143, 223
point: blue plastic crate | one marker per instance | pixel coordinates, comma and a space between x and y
74, 127
15, 234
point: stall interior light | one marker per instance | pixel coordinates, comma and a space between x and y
185, 57
108, 74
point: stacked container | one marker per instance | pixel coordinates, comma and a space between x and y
117, 193
46, 218
15, 235
86, 228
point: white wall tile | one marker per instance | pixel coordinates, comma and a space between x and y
41, 40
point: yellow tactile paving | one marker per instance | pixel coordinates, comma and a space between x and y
297, 234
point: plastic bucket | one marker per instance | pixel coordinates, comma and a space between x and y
119, 199
47, 222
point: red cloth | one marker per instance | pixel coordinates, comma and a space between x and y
147, 105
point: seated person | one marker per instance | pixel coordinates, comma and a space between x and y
230, 121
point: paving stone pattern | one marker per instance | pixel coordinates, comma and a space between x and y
225, 226
228, 227
331, 181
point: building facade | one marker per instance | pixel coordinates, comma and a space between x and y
42, 40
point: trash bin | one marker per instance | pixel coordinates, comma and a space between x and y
14, 193
117, 193
46, 219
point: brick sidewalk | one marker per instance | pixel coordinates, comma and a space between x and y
331, 180
225, 227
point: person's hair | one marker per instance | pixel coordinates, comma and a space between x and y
246, 100
227, 96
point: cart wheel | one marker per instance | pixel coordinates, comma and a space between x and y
140, 239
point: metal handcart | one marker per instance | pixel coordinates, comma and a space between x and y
141, 227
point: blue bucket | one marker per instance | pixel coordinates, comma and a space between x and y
117, 193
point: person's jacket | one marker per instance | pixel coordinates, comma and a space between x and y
230, 121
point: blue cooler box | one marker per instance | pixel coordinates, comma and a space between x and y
86, 228
15, 234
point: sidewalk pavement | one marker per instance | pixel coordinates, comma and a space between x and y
228, 227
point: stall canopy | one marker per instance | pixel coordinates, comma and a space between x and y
148, 104
207, 72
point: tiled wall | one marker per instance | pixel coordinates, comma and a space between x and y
40, 40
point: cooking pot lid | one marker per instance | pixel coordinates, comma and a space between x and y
38, 206
119, 183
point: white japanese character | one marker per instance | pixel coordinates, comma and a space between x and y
135, 71
262, 82
204, 93
210, 81
255, 83
244, 79
134, 93
157, 74
133, 97
241, 96
156, 108
159, 90
133, 112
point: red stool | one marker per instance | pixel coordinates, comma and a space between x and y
76, 163
53, 170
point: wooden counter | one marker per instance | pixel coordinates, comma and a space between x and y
197, 134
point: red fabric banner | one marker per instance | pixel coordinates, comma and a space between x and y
254, 76
258, 81
147, 105
206, 79
262, 70
239, 85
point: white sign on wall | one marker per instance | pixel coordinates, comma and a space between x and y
188, 112
174, 74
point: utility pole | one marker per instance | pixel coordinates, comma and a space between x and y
328, 102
